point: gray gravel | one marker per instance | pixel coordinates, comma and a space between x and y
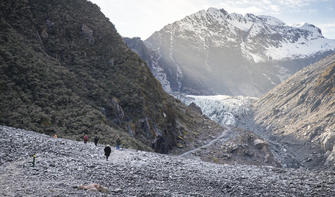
63, 164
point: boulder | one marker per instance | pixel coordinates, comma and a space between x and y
328, 141
94, 187
195, 107
44, 33
259, 143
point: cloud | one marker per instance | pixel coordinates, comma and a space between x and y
296, 3
328, 29
142, 18
246, 6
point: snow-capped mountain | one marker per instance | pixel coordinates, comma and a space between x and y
214, 52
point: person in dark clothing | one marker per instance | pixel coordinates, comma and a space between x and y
85, 139
96, 139
118, 143
108, 151
34, 159
158, 144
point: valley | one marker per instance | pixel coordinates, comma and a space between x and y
213, 104
268, 50
295, 139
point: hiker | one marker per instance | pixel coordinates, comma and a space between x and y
34, 159
96, 139
108, 151
85, 139
118, 143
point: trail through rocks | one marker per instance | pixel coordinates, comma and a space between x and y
226, 135
62, 165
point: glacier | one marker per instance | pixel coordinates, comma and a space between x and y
224, 109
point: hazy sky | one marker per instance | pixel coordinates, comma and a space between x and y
141, 18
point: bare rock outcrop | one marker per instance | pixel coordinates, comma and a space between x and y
300, 113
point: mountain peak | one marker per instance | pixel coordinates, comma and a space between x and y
312, 28
214, 41
220, 17
271, 20
213, 10
316, 31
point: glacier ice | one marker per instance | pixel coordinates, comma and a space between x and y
226, 110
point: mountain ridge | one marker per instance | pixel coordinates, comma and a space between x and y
299, 112
213, 44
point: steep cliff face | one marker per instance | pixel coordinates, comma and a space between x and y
301, 111
65, 70
215, 52
158, 67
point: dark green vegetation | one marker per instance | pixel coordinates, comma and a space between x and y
65, 70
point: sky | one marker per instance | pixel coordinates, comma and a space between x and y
141, 18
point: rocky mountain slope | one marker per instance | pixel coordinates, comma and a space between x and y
62, 166
214, 52
300, 113
243, 141
65, 70
154, 61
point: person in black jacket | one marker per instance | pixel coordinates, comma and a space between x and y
108, 151
118, 142
96, 139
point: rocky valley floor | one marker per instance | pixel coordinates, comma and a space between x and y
63, 165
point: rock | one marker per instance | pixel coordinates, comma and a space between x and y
259, 143
328, 141
94, 187
139, 173
195, 107
179, 145
118, 112
117, 190
44, 33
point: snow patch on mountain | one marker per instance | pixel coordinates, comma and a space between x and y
159, 72
226, 110
271, 20
279, 41
301, 48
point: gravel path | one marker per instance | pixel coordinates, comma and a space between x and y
63, 164
226, 135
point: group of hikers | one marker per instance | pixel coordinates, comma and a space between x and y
107, 148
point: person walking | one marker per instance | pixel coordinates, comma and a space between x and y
118, 143
85, 139
96, 139
108, 151
34, 159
